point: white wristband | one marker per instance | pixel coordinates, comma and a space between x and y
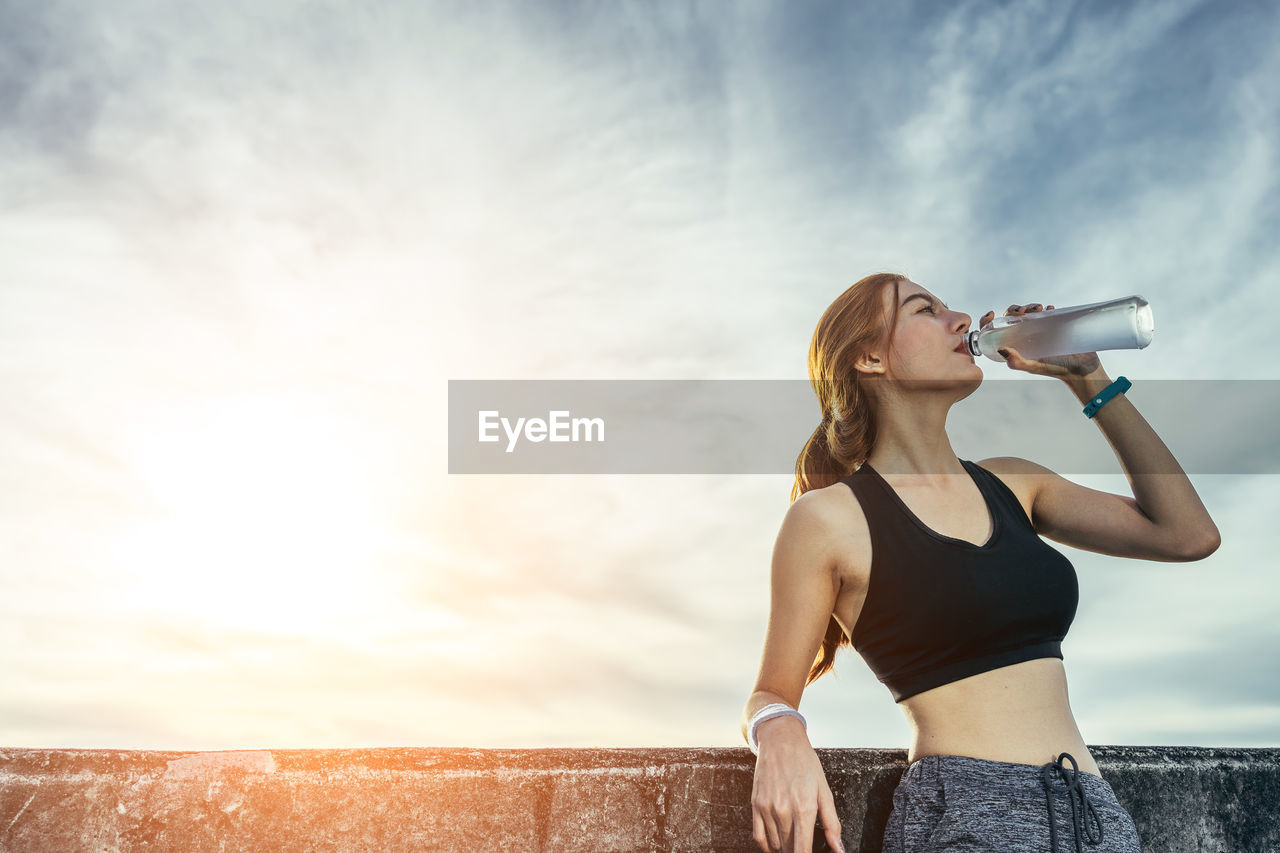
768, 712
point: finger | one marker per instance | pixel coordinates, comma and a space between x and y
787, 839
773, 834
802, 832
830, 822
1034, 306
759, 834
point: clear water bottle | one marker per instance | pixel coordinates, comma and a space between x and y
1123, 323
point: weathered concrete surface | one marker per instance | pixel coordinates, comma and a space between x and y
60, 801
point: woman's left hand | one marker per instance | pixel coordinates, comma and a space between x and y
1063, 366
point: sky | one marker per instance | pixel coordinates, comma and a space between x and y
244, 247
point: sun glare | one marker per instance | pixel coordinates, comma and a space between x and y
262, 517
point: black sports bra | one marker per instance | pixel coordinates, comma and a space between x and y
939, 609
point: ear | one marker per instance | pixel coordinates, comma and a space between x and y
869, 363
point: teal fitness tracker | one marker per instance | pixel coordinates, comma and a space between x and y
1118, 387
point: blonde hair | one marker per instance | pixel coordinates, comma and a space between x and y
851, 325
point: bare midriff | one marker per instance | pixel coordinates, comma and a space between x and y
1018, 713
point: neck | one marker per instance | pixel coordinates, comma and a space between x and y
911, 429
915, 447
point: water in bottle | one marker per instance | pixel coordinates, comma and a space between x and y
1123, 323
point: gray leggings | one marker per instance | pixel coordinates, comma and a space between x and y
958, 803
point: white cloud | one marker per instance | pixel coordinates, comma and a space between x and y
343, 206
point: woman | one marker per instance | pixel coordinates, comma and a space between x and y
935, 567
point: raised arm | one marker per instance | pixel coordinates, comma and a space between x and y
1164, 520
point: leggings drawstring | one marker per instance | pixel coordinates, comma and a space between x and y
1079, 814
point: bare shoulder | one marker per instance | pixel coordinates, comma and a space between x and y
1013, 466
829, 506
834, 515
1022, 476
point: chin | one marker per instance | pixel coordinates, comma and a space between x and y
973, 384
969, 382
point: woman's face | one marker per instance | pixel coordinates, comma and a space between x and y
926, 337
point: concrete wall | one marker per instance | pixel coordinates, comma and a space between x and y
64, 800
